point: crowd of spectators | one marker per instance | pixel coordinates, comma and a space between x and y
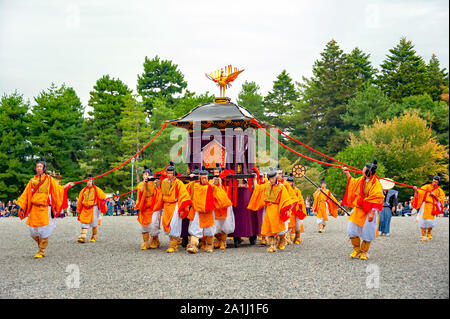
116, 207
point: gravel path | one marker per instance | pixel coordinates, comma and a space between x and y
115, 267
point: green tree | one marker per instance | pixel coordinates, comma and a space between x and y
108, 99
56, 131
406, 147
361, 65
437, 78
15, 165
250, 98
403, 72
189, 101
160, 79
279, 101
136, 133
366, 106
324, 96
159, 152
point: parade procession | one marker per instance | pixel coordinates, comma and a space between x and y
224, 197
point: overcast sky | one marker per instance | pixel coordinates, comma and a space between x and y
77, 41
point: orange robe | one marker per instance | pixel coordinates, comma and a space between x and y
256, 201
37, 196
363, 196
147, 197
299, 211
431, 207
206, 199
87, 199
320, 208
221, 201
173, 192
278, 202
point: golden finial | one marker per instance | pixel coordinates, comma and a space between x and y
224, 77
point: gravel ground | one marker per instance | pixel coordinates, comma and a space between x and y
115, 267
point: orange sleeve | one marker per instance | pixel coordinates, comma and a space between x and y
221, 199
256, 201
24, 201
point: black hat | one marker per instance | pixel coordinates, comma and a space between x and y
437, 177
372, 167
279, 168
218, 168
43, 162
89, 176
171, 167
271, 173
203, 171
196, 170
290, 178
322, 181
147, 170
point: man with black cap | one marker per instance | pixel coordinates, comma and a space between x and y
91, 203
429, 200
206, 198
323, 205
224, 217
176, 201
298, 213
278, 204
149, 216
42, 199
365, 196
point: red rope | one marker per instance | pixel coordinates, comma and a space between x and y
310, 148
173, 159
324, 163
121, 194
299, 154
156, 173
117, 167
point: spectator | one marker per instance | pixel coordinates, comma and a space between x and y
2, 209
14, 209
399, 209
111, 207
407, 209
308, 205
73, 207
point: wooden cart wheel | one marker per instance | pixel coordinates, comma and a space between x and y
298, 171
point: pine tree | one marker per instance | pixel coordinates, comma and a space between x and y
15, 166
136, 133
280, 101
403, 73
56, 131
160, 79
437, 78
249, 98
108, 99
324, 99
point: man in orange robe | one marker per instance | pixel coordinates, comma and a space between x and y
278, 203
149, 215
206, 199
291, 191
42, 200
224, 222
91, 203
323, 206
175, 202
365, 196
429, 201
298, 213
